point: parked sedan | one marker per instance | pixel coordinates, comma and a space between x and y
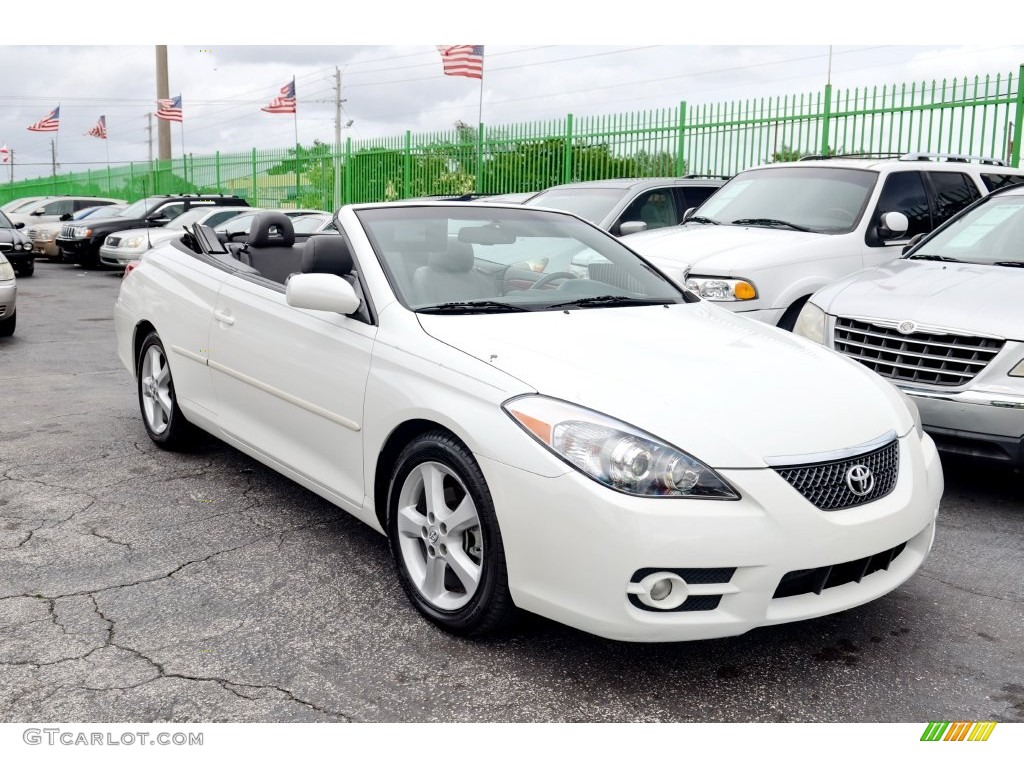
44, 236
529, 440
16, 247
945, 323
8, 297
128, 245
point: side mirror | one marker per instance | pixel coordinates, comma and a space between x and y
892, 224
913, 242
38, 212
688, 213
632, 227
20, 225
65, 217
327, 293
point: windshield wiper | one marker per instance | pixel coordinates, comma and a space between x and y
1009, 263
608, 301
932, 257
702, 220
771, 223
471, 307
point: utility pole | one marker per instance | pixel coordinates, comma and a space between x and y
149, 133
337, 137
163, 91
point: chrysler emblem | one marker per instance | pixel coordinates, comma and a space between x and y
859, 480
907, 326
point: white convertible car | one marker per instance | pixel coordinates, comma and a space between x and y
591, 444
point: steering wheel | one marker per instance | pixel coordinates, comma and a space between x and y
553, 276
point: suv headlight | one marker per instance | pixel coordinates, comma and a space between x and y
722, 288
616, 454
811, 323
79, 232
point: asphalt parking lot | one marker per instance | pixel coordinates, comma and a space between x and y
138, 585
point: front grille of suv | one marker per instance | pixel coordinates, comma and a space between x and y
825, 484
67, 232
949, 360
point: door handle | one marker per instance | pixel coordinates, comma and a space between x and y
224, 316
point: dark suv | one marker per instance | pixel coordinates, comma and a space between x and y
80, 242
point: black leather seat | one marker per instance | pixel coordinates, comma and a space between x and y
450, 276
270, 247
326, 254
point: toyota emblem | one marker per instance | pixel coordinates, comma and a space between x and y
907, 326
860, 480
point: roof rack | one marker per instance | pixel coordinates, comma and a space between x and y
952, 158
707, 176
854, 155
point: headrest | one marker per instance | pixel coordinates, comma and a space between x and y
327, 254
458, 258
260, 235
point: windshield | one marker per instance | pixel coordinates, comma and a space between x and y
992, 233
5, 223
138, 209
102, 210
469, 258
592, 204
307, 225
825, 200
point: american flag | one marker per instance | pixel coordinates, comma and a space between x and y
169, 109
463, 60
5, 155
49, 123
100, 129
283, 104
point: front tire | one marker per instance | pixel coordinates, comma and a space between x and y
7, 326
445, 539
27, 270
164, 421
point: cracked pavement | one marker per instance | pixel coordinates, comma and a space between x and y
142, 586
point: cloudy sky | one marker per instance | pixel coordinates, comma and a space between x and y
541, 63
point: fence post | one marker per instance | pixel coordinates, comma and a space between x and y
680, 163
407, 167
255, 197
1015, 152
216, 163
826, 118
348, 171
567, 153
478, 186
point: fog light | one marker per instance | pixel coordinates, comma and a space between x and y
663, 590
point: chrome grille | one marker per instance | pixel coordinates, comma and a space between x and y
925, 358
33, 233
824, 484
67, 232
6, 247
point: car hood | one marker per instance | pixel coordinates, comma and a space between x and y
12, 236
968, 297
156, 234
724, 249
729, 390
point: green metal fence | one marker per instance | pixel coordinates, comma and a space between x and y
980, 115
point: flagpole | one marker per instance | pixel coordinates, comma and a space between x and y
184, 159
480, 133
295, 115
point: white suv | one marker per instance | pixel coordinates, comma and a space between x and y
775, 234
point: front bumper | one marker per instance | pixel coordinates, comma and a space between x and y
976, 423
118, 257
574, 548
72, 249
45, 248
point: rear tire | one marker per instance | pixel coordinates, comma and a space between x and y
27, 270
445, 539
163, 419
7, 326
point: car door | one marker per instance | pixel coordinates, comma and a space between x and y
290, 382
904, 192
951, 193
655, 207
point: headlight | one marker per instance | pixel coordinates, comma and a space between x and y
722, 289
133, 242
6, 270
80, 232
615, 454
811, 323
1018, 369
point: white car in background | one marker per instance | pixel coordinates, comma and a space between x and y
774, 235
8, 298
528, 439
120, 248
945, 324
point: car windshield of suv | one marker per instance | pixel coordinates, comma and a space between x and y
590, 203
467, 259
101, 210
138, 209
817, 199
992, 233
5, 223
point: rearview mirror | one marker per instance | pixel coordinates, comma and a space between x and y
328, 293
